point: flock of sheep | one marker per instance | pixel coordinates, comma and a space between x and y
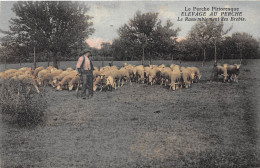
109, 77
112, 77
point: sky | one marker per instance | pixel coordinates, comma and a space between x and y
109, 16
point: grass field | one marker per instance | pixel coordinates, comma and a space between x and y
208, 125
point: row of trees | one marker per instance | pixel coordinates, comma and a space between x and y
206, 41
58, 30
53, 27
237, 46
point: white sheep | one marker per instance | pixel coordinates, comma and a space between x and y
186, 77
64, 82
174, 78
36, 71
139, 73
222, 70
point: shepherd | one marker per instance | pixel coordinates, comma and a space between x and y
85, 70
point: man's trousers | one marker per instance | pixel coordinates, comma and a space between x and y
87, 78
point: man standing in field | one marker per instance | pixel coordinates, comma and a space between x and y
85, 70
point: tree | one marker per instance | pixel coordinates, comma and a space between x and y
217, 34
206, 33
55, 26
106, 50
189, 50
144, 34
246, 45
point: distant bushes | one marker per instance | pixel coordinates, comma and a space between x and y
20, 103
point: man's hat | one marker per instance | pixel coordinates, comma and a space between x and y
83, 52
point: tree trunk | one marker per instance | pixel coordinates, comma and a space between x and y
48, 58
143, 57
34, 58
240, 56
215, 54
204, 56
54, 60
150, 58
5, 62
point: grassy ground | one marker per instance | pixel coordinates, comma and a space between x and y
208, 125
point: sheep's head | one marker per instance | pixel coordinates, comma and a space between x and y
237, 66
